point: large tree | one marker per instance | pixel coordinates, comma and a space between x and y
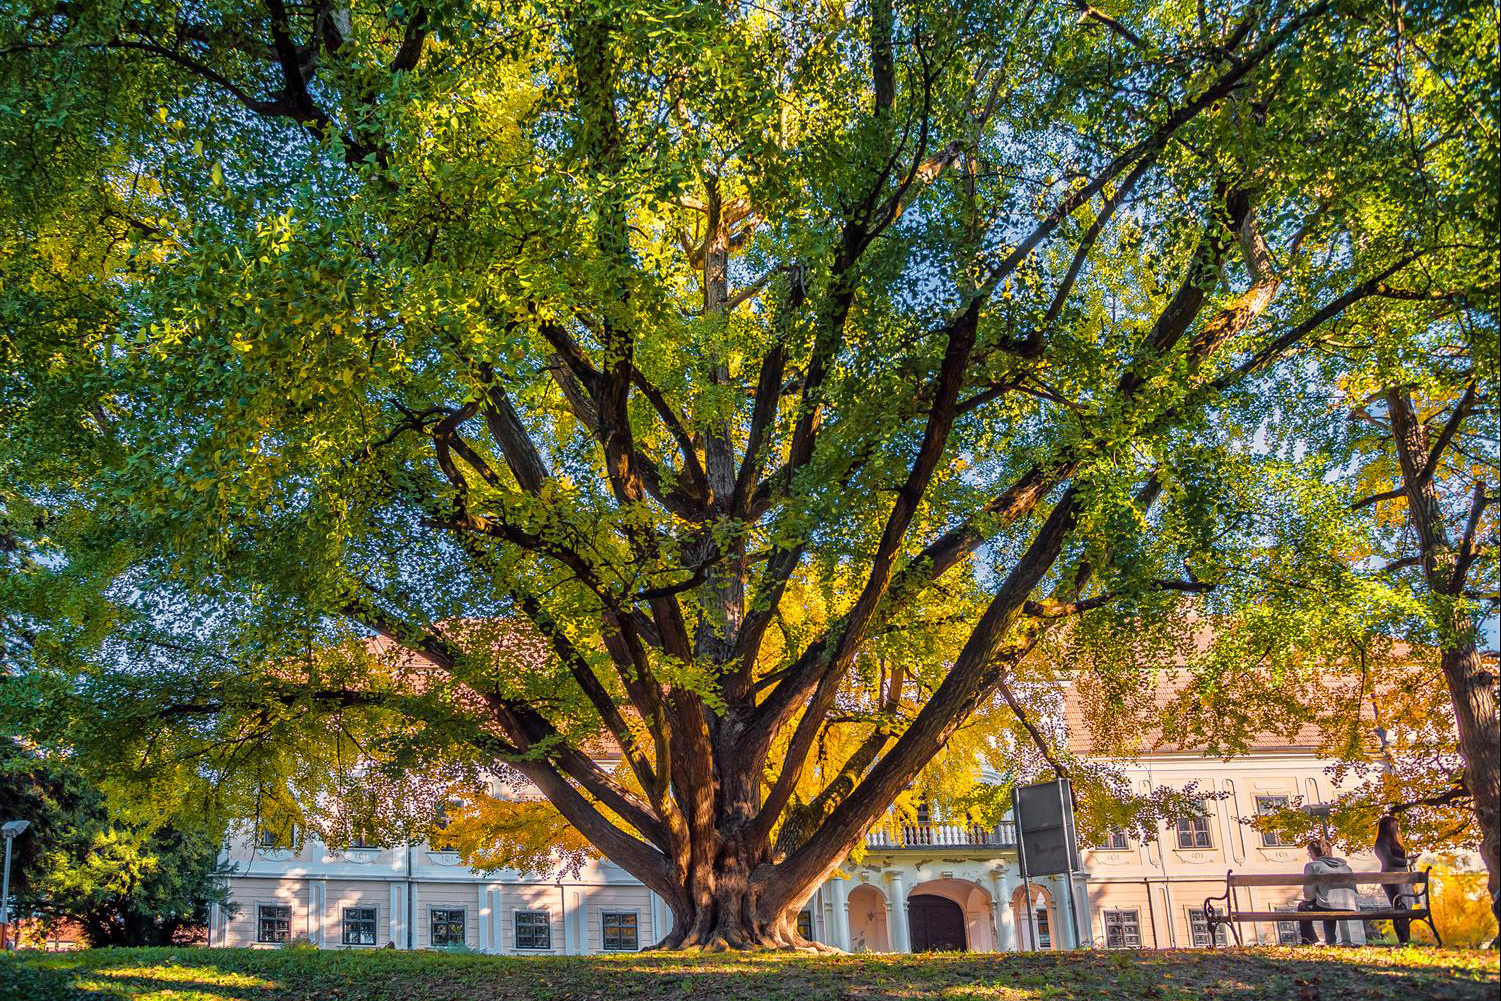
751, 386
121, 881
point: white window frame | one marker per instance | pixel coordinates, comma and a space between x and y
1121, 916
1287, 931
450, 910
271, 905
1108, 845
516, 929
374, 924
1272, 839
1198, 930
1195, 826
619, 912
268, 840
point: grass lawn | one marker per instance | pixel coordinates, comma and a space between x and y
1316, 974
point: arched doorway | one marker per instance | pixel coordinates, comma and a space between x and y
868, 920
936, 923
1042, 918
950, 914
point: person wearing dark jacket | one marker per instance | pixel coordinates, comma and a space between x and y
1320, 896
1393, 857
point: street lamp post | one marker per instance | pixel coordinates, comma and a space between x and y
10, 830
1320, 812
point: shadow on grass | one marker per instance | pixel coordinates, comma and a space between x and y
1177, 975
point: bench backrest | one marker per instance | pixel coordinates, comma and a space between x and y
1329, 879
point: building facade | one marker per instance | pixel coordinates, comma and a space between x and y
929, 886
1151, 893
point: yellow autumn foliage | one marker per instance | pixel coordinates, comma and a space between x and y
1461, 908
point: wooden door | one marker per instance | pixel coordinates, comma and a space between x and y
936, 924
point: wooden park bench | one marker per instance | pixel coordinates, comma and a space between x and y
1230, 913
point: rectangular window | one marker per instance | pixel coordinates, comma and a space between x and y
1287, 931
1044, 935
359, 926
805, 924
1115, 841
361, 808
1198, 926
446, 926
1193, 831
1264, 806
438, 838
273, 923
1123, 929
533, 930
276, 836
619, 931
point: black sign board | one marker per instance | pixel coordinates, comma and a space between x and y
1044, 817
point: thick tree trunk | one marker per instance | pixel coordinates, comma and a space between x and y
718, 909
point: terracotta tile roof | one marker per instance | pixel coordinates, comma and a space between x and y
1143, 722
508, 639
1168, 709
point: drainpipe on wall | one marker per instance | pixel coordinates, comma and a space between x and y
1167, 896
411, 916
1151, 911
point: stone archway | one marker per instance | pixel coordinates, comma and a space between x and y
1044, 916
868, 932
950, 915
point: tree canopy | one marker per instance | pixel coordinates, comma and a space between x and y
790, 395
120, 882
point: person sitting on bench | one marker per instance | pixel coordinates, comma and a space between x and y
1320, 896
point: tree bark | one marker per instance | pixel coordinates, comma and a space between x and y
1472, 687
719, 909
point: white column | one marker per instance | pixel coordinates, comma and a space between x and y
320, 912
398, 916
1006, 932
1230, 824
1086, 912
1167, 912
417, 920
839, 935
658, 918
1005, 918
482, 915
1063, 932
580, 929
497, 922
896, 911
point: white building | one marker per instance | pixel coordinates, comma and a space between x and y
936, 886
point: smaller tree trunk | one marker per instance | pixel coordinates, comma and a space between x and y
1472, 688
1473, 691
